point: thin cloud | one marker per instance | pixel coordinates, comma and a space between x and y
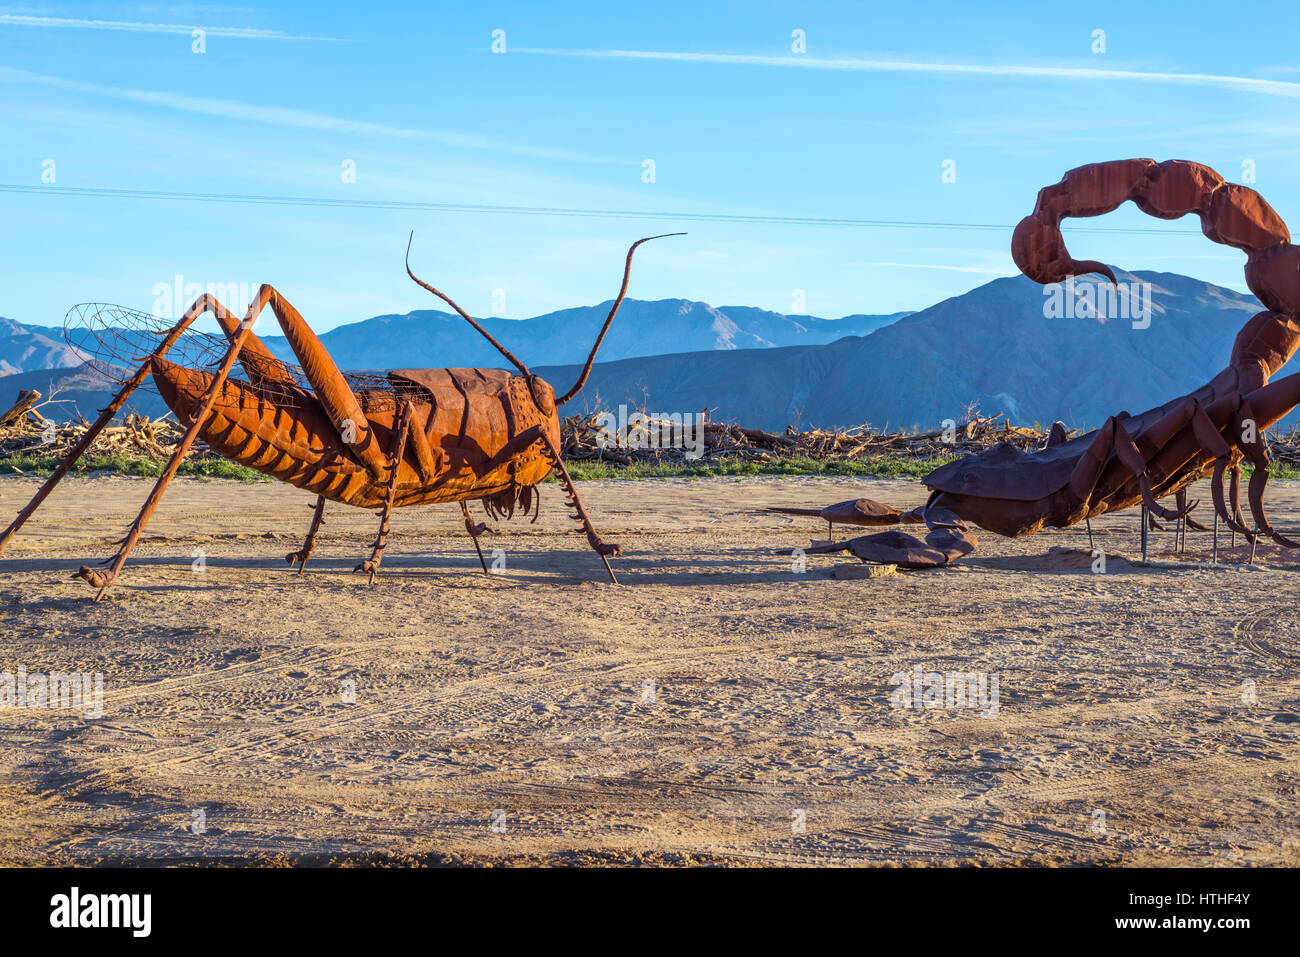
289, 117
1243, 84
243, 33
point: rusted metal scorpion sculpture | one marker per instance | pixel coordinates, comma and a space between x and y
1131, 459
412, 437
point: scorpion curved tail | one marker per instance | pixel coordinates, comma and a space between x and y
595, 347
1230, 214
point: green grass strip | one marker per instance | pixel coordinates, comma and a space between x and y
899, 467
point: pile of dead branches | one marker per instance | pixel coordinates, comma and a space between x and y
25, 432
589, 438
1285, 447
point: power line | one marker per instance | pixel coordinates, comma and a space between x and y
321, 201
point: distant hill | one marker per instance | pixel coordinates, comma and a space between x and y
24, 347
82, 390
430, 338
434, 339
992, 346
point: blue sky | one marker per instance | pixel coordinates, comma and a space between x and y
737, 124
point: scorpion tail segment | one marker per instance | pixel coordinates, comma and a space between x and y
627, 273
1230, 214
510, 357
1037, 245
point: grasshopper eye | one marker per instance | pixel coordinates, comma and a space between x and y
543, 394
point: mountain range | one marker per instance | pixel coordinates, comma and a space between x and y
431, 339
996, 346
25, 347
993, 346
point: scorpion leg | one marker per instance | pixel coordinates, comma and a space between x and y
1257, 452
1207, 437
304, 553
1181, 499
103, 580
1233, 519
1258, 482
377, 553
1234, 495
1211, 440
1127, 452
474, 532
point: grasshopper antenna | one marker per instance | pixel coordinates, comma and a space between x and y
627, 272
467, 317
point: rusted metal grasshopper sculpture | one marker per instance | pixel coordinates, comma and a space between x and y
1131, 459
412, 437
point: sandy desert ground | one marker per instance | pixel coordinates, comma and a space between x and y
717, 707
